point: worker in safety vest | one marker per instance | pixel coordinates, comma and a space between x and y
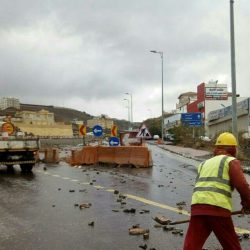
211, 204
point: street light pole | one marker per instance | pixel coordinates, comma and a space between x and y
125, 99
233, 73
162, 104
131, 107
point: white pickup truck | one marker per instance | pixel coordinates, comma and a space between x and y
18, 150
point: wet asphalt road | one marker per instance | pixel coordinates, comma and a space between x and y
41, 210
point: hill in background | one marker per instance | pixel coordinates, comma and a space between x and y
63, 114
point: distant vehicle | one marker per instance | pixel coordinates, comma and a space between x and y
156, 137
16, 149
169, 137
205, 138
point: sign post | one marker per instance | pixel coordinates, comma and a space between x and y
114, 131
82, 131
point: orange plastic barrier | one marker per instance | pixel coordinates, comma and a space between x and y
140, 156
87, 155
51, 155
106, 154
134, 155
123, 154
90, 155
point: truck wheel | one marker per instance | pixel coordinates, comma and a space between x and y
26, 167
10, 168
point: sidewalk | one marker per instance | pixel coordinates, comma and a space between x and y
196, 154
192, 153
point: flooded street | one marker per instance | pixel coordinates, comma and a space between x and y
93, 207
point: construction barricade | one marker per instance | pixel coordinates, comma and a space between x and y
51, 155
106, 154
87, 155
137, 156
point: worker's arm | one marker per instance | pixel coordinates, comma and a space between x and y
239, 182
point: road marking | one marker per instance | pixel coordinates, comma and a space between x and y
100, 187
156, 204
143, 200
56, 175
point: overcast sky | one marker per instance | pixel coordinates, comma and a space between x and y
86, 54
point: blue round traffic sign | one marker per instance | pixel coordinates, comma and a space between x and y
97, 130
114, 141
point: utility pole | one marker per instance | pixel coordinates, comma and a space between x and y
233, 72
162, 100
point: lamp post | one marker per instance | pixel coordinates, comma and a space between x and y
162, 111
125, 99
131, 107
233, 73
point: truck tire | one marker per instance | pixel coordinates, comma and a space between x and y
10, 168
26, 167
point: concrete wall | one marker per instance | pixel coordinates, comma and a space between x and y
46, 130
225, 123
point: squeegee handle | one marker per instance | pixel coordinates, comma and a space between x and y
186, 221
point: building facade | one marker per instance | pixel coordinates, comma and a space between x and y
9, 102
42, 117
220, 120
103, 121
210, 97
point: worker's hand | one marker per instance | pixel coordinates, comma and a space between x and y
245, 210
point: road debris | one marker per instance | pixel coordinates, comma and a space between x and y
162, 220
146, 236
143, 246
138, 231
131, 210
116, 192
177, 231
85, 205
158, 226
92, 223
167, 228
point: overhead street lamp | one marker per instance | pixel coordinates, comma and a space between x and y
131, 106
125, 99
162, 111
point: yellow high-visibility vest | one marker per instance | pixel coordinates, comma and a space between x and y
212, 185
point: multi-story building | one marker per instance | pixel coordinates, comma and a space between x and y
181, 107
184, 100
209, 97
42, 117
9, 102
103, 121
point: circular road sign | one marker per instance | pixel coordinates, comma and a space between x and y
8, 127
114, 141
97, 130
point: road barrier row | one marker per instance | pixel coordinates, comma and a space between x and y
130, 155
51, 155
